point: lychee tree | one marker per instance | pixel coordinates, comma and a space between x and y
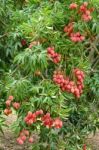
51, 75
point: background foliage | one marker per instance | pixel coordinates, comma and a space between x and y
43, 21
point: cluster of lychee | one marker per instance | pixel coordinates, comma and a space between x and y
44, 118
32, 117
83, 10
68, 85
69, 28
85, 15
49, 122
55, 57
23, 136
9, 102
75, 37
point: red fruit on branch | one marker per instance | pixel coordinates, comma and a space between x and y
39, 112
83, 8
21, 133
70, 86
16, 105
10, 98
31, 140
86, 17
50, 49
23, 138
73, 6
8, 103
86, 13
84, 147
7, 111
20, 141
30, 118
57, 123
47, 120
77, 37
72, 90
23, 42
85, 4
69, 29
26, 132
56, 58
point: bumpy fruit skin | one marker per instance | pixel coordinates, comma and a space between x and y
7, 111
23, 42
11, 98
86, 17
16, 105
26, 132
30, 118
73, 6
8, 103
77, 37
84, 147
20, 141
69, 28
56, 58
85, 12
31, 140
57, 123
70, 86
39, 112
47, 120
83, 7
23, 138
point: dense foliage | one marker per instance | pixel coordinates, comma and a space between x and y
49, 73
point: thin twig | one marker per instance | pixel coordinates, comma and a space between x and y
93, 45
1, 36
95, 64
